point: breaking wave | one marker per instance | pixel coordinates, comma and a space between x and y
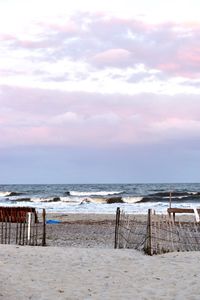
101, 193
4, 194
131, 200
94, 199
10, 194
175, 197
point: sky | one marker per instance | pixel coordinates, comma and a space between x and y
99, 91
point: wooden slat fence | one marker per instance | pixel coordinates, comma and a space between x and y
166, 235
16, 214
129, 232
158, 234
22, 227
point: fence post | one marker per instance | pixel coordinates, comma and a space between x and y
170, 200
1, 217
149, 233
117, 227
9, 229
30, 221
6, 230
44, 227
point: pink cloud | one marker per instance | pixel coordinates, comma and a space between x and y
17, 136
67, 27
186, 63
104, 41
112, 57
31, 117
171, 67
6, 37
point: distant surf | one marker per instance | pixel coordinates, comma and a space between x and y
94, 193
101, 198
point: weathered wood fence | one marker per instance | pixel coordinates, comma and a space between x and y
16, 214
129, 231
20, 226
157, 234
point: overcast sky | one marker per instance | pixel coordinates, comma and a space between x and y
99, 91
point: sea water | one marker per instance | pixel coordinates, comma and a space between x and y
101, 198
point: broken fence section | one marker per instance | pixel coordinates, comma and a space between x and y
157, 234
129, 232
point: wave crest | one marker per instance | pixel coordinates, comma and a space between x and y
101, 193
10, 194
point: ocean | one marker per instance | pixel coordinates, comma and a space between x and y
101, 198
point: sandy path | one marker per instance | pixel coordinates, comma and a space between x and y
80, 273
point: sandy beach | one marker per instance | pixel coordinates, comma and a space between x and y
80, 263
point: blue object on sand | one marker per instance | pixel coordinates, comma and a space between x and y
53, 222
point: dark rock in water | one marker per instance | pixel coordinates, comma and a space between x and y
114, 200
23, 200
160, 194
55, 199
67, 193
173, 193
146, 199
14, 194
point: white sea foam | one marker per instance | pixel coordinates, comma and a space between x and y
4, 194
176, 197
70, 200
101, 193
67, 200
94, 200
132, 199
38, 200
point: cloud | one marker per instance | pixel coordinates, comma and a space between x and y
6, 37
68, 117
82, 75
113, 57
102, 53
169, 47
46, 117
